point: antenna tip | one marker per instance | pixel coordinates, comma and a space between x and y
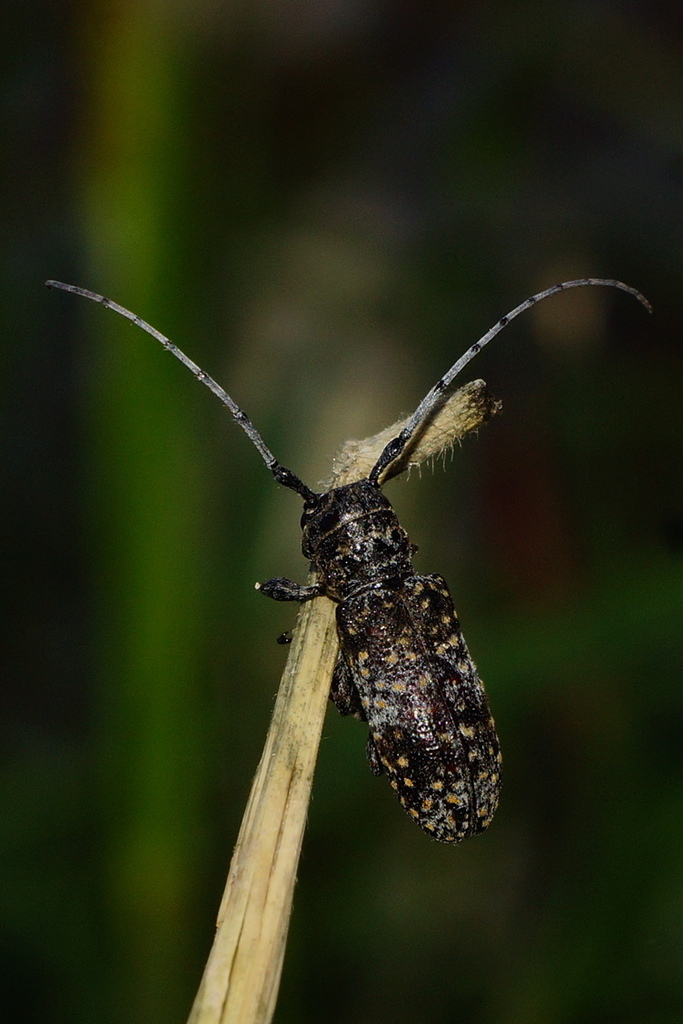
636, 294
60, 284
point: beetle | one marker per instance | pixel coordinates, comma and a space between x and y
403, 665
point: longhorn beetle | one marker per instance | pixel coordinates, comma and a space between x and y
403, 667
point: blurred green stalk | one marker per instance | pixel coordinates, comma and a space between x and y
146, 491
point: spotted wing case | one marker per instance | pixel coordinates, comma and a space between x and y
404, 667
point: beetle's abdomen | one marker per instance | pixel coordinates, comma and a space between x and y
431, 729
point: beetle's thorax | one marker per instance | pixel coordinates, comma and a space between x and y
353, 537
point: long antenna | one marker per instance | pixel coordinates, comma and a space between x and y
283, 475
432, 399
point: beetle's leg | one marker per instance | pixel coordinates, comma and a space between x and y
376, 766
343, 692
282, 589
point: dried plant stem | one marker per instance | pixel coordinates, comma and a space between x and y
242, 975
241, 979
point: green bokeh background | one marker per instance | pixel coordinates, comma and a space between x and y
324, 204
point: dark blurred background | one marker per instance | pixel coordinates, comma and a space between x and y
324, 203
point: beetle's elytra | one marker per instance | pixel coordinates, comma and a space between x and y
403, 667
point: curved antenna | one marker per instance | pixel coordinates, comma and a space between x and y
432, 399
283, 475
